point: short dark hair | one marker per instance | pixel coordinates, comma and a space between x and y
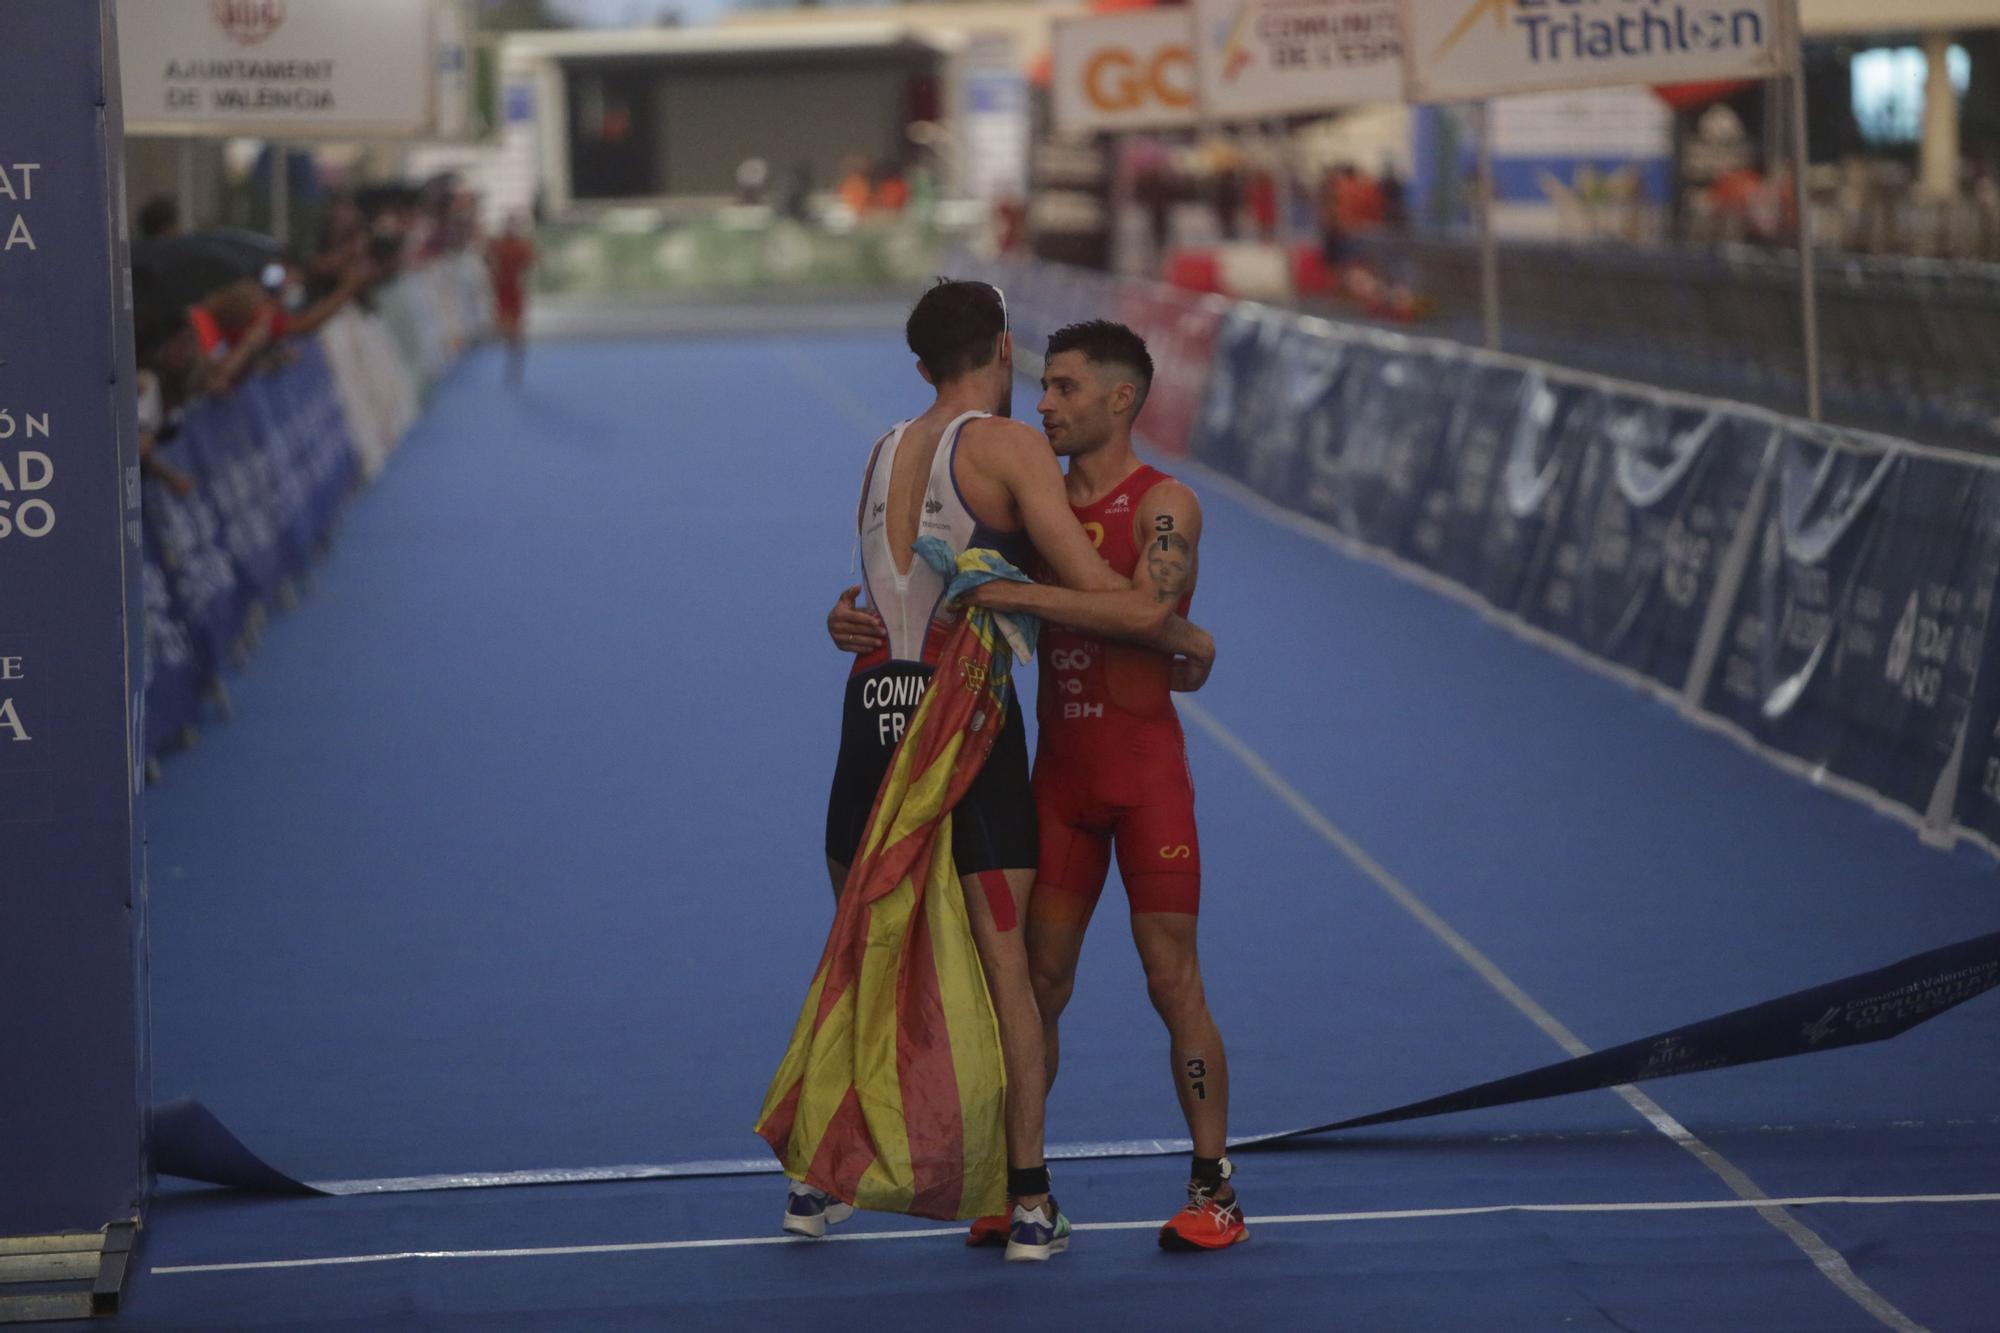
1105, 342
956, 327
161, 216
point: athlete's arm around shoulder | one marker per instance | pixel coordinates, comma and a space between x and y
1014, 461
1110, 606
1169, 530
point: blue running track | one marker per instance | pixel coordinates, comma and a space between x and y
510, 861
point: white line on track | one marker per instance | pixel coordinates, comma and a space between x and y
1825, 1258
923, 1233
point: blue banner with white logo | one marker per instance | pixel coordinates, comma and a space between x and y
1377, 447
1486, 402
1542, 466
199, 572
1976, 800
1855, 642
236, 475
1646, 531
71, 633
1854, 1011
178, 666
1241, 382
1285, 408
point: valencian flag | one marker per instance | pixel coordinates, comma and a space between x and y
892, 1093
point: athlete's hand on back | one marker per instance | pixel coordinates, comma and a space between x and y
1190, 673
855, 629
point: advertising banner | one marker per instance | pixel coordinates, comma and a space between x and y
1463, 50
1486, 403
1256, 59
200, 575
1240, 382
1543, 467
280, 68
71, 636
1302, 371
176, 669
1643, 540
1856, 639
1382, 449
1976, 802
1131, 71
236, 474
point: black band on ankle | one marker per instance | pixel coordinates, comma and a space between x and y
1207, 1171
1027, 1181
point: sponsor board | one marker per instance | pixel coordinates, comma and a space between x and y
1260, 58
1455, 50
1124, 72
296, 68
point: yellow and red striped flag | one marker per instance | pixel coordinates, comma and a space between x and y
892, 1094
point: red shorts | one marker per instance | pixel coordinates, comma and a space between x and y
1132, 788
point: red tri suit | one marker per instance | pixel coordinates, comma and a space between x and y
1112, 763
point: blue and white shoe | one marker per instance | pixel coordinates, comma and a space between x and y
808, 1212
1037, 1233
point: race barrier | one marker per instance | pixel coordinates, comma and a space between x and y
274, 464
1824, 596
1910, 345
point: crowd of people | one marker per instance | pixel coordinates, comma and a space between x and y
868, 188
1259, 198
212, 307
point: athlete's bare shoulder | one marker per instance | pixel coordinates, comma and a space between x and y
1001, 448
1171, 491
990, 433
1171, 496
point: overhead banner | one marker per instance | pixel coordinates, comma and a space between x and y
1262, 58
72, 899
280, 68
1463, 50
1131, 71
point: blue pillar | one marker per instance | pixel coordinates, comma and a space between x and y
73, 1074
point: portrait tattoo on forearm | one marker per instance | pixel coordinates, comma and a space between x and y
1169, 560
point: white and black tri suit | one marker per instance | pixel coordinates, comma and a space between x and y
994, 826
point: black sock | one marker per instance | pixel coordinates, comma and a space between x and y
1207, 1173
1028, 1181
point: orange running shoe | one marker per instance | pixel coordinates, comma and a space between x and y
1205, 1224
992, 1230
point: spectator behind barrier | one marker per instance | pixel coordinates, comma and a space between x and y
167, 356
159, 218
239, 322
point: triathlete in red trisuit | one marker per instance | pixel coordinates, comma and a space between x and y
1111, 768
509, 258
